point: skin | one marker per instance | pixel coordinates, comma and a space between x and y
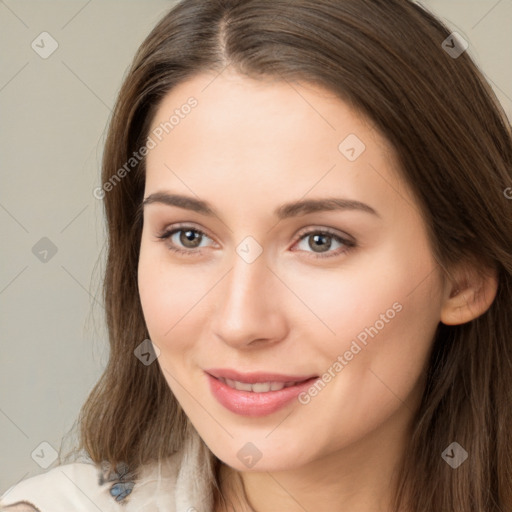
248, 147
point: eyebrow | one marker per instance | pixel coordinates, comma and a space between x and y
287, 210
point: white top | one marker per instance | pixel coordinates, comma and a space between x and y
177, 484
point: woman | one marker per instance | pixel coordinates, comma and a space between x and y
309, 273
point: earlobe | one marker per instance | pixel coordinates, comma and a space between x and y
469, 298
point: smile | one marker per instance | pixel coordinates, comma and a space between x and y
260, 398
257, 387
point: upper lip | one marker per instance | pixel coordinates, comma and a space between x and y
254, 377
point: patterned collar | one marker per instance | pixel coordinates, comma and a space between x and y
193, 489
123, 480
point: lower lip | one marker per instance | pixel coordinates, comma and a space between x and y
249, 403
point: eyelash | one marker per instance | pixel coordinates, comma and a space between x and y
168, 233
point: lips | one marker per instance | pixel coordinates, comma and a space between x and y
251, 394
257, 377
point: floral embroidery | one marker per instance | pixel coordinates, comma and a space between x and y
121, 476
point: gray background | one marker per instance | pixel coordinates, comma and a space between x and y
53, 115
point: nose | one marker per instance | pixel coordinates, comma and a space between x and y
250, 307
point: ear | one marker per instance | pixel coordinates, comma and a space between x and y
468, 294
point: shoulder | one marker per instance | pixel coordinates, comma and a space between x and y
62, 484
21, 507
79, 487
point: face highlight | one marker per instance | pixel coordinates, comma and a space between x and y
297, 250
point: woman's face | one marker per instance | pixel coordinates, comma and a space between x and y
269, 279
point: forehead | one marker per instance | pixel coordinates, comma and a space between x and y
228, 103
265, 138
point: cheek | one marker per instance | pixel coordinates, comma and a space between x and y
384, 319
174, 298
170, 301
387, 294
167, 292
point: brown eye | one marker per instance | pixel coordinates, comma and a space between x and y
320, 242
187, 242
190, 238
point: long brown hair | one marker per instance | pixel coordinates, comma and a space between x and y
453, 143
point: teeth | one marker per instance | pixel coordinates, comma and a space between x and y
259, 387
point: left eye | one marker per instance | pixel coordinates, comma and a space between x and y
191, 238
323, 239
